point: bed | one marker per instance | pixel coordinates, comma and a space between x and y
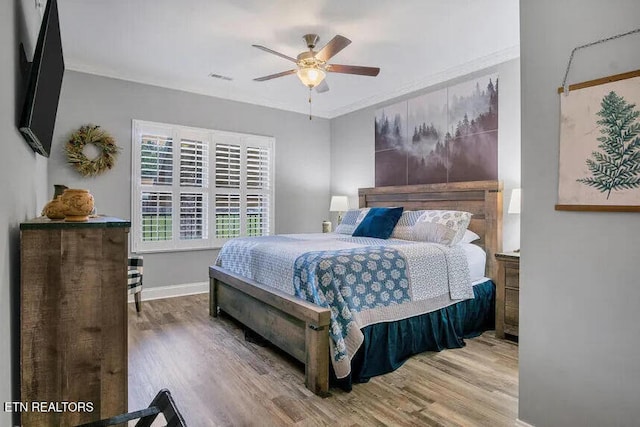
302, 328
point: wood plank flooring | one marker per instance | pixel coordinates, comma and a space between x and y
219, 379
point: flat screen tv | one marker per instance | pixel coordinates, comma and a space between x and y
43, 84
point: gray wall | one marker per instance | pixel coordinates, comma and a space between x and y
23, 175
352, 144
580, 288
302, 156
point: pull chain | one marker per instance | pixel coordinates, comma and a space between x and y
310, 102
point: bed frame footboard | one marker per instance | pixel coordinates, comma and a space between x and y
298, 327
301, 328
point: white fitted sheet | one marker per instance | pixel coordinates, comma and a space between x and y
477, 258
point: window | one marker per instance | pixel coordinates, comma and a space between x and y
197, 188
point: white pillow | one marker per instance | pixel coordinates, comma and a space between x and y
404, 228
350, 220
444, 227
469, 236
363, 213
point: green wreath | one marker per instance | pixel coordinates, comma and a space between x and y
91, 134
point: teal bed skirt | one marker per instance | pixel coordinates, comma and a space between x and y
388, 345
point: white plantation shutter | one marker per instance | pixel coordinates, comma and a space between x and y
193, 223
228, 176
228, 166
243, 205
154, 199
227, 215
194, 183
156, 161
258, 168
156, 213
197, 188
258, 191
258, 215
194, 163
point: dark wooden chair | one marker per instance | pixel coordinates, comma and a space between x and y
134, 279
163, 404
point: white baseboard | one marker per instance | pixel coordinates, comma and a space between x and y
173, 291
520, 423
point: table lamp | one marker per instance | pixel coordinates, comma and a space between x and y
339, 204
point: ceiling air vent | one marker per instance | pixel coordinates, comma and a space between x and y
220, 76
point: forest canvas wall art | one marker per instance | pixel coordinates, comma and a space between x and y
448, 135
391, 144
599, 164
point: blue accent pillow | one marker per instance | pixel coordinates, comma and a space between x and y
378, 223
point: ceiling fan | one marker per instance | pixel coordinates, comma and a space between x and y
313, 66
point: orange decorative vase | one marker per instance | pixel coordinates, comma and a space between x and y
78, 204
55, 209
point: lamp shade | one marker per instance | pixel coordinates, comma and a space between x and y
514, 203
311, 76
339, 204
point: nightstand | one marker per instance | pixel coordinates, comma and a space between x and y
507, 294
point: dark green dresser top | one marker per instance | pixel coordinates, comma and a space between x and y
44, 223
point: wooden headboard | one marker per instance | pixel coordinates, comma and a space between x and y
482, 198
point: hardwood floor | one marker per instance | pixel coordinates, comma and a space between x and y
219, 379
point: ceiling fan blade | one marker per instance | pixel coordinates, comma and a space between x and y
273, 76
353, 69
322, 87
334, 46
281, 55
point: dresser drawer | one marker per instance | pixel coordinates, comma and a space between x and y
511, 307
511, 298
507, 294
511, 316
512, 277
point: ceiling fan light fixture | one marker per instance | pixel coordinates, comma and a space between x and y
311, 76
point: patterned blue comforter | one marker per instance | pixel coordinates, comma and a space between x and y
362, 280
351, 280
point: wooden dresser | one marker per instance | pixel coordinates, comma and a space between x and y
507, 294
73, 319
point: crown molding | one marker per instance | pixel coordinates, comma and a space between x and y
487, 61
239, 96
